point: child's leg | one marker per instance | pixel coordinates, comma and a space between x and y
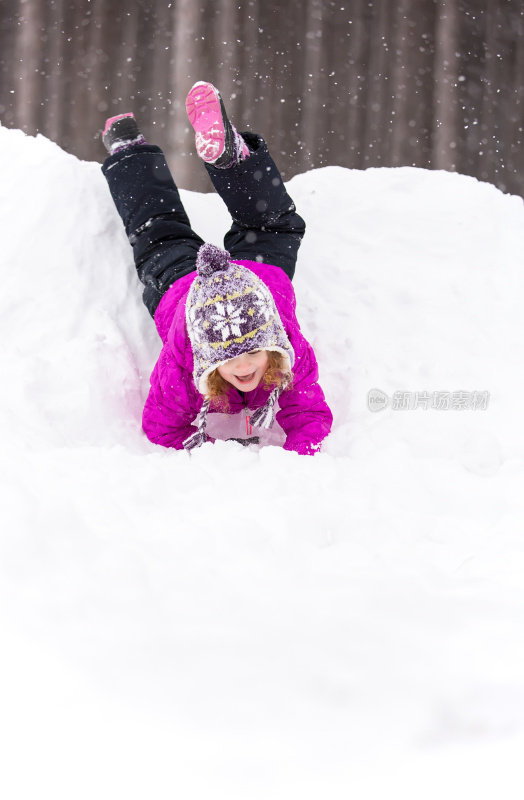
147, 199
266, 226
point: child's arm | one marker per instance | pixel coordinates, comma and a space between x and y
304, 414
172, 404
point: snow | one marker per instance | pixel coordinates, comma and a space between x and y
251, 623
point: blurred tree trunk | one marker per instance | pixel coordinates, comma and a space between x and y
446, 74
357, 57
514, 150
315, 93
9, 46
377, 101
55, 108
250, 84
412, 83
502, 86
28, 65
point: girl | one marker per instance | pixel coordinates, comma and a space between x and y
231, 341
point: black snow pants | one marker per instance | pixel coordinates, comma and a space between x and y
265, 227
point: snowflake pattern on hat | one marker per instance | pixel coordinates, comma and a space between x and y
228, 320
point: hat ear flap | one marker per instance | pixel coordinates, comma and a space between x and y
197, 439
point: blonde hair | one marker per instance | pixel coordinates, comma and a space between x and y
275, 376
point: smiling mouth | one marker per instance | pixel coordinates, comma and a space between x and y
245, 378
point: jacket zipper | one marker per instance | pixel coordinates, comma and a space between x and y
249, 427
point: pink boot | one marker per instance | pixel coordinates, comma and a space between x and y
121, 132
217, 142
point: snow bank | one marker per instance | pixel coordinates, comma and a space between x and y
256, 624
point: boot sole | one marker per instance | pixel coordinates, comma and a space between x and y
207, 115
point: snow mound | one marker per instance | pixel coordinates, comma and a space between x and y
260, 613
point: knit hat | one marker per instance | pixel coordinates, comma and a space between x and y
230, 311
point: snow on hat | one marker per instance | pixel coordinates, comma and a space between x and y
230, 311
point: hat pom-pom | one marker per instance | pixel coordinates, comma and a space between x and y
210, 259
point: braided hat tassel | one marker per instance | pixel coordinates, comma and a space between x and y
264, 417
197, 439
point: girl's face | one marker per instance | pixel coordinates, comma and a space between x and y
246, 371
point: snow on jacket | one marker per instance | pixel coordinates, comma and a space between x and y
174, 402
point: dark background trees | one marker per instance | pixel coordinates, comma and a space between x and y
359, 83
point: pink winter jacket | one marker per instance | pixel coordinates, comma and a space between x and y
174, 402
